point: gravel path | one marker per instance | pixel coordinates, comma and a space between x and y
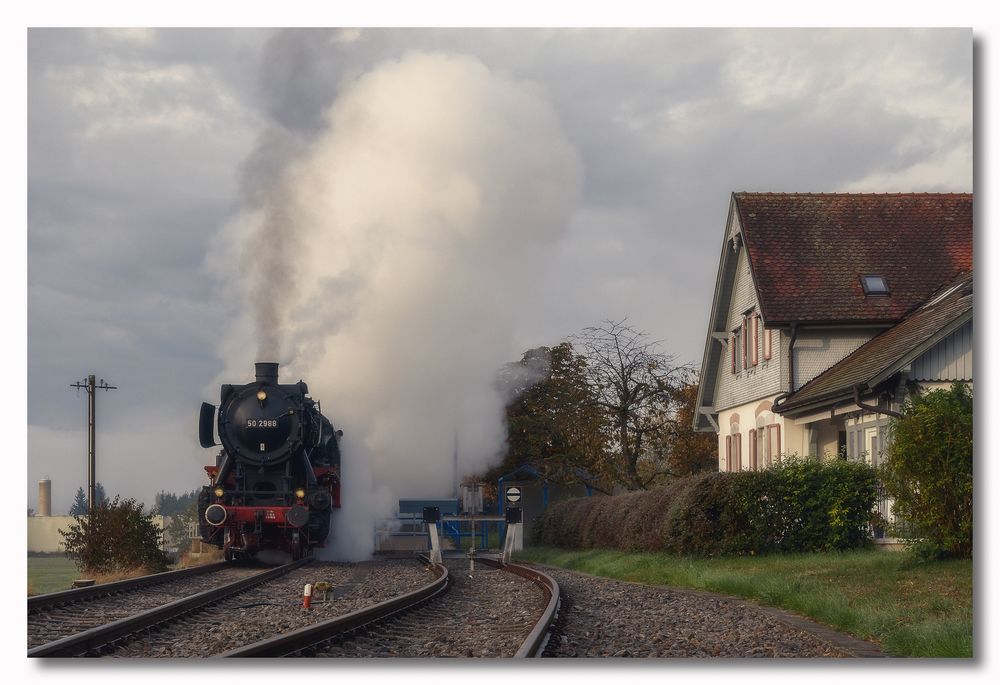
486, 614
276, 607
600, 617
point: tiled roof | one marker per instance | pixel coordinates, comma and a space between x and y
808, 251
883, 352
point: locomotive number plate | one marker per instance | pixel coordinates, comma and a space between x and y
262, 423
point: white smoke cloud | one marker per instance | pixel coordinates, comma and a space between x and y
389, 262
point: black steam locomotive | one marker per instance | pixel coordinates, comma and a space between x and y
278, 474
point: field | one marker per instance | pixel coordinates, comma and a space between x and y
50, 574
909, 608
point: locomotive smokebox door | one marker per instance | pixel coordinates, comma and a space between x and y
432, 514
513, 514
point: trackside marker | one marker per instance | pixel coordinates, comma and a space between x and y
307, 593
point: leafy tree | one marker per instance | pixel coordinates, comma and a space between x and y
687, 451
79, 507
636, 386
117, 536
553, 421
928, 470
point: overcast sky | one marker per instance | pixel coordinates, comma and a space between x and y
143, 145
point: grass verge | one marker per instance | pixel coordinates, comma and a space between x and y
909, 608
50, 574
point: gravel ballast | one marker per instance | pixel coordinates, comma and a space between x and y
600, 617
276, 607
58, 622
485, 614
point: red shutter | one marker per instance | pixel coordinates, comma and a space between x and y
729, 453
753, 449
745, 331
756, 339
775, 432
738, 452
767, 344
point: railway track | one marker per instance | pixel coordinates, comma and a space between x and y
212, 611
487, 613
89, 621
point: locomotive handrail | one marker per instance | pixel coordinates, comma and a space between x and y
39, 602
303, 638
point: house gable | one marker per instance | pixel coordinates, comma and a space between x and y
754, 374
735, 295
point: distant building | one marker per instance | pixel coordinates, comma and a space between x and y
828, 308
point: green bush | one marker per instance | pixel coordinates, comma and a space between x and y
798, 506
928, 471
117, 536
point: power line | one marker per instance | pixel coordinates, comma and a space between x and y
91, 385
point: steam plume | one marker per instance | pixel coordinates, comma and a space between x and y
390, 259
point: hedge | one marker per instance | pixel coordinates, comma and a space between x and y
799, 506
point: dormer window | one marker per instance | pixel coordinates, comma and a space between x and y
874, 285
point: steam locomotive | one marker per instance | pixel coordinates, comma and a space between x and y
277, 476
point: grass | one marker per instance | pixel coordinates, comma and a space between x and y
54, 572
50, 574
909, 608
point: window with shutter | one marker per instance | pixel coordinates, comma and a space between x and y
745, 336
767, 344
756, 339
774, 435
732, 353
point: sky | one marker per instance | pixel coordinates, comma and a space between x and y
414, 207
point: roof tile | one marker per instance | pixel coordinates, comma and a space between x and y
808, 251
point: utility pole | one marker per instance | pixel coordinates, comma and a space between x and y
90, 385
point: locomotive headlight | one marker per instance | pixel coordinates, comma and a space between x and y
261, 395
219, 492
300, 493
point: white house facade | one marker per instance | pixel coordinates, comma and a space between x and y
821, 323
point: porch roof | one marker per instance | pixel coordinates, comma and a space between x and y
890, 351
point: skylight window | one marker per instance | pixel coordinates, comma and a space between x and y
874, 285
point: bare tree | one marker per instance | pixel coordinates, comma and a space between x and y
637, 386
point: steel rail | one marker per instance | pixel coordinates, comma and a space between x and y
91, 641
82, 594
534, 644
296, 641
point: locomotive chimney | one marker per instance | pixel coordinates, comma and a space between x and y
267, 372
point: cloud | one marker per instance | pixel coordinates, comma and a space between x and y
142, 144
